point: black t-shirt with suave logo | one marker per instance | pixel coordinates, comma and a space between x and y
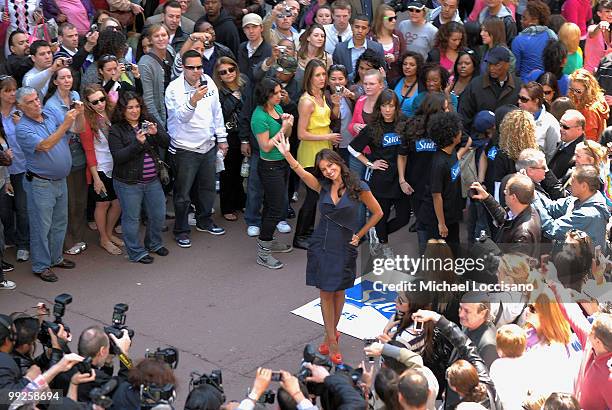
384, 184
446, 180
418, 170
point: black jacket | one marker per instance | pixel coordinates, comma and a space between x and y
232, 108
524, 230
482, 93
128, 153
466, 350
179, 39
125, 397
563, 159
219, 51
226, 32
247, 64
340, 394
17, 67
11, 378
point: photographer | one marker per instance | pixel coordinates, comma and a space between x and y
27, 330
146, 374
204, 397
94, 346
288, 382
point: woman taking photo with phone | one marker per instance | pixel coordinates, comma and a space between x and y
315, 134
332, 254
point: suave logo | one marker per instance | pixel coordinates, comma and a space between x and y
425, 145
455, 171
492, 153
390, 139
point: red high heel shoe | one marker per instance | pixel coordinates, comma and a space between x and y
324, 349
335, 356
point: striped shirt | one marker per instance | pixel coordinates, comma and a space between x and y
149, 172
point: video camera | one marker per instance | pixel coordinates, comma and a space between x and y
118, 324
59, 309
169, 355
312, 356
214, 379
102, 396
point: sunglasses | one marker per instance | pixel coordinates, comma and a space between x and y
98, 101
193, 67
390, 18
228, 71
548, 92
4, 77
524, 99
414, 10
577, 234
108, 57
565, 126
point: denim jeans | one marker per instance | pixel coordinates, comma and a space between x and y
193, 168
273, 175
132, 197
48, 216
252, 210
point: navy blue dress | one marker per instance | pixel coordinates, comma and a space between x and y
332, 260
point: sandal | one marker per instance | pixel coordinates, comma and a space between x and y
92, 225
230, 217
117, 241
111, 248
76, 249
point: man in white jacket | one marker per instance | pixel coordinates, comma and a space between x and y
197, 132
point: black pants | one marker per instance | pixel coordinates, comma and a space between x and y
273, 175
231, 194
386, 226
308, 211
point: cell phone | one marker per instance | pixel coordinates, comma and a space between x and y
367, 342
18, 113
418, 326
73, 104
277, 376
338, 89
282, 49
103, 194
203, 82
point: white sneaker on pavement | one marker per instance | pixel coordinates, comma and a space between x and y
253, 230
7, 284
283, 227
23, 255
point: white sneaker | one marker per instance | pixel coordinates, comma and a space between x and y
283, 227
294, 198
23, 255
253, 231
191, 220
7, 284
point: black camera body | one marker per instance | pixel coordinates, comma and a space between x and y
169, 355
214, 379
118, 324
59, 309
312, 356
84, 366
129, 67
151, 395
354, 374
102, 396
268, 397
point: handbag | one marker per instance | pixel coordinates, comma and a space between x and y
47, 30
163, 170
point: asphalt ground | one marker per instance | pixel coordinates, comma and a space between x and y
211, 301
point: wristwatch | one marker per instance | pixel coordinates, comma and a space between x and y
253, 397
369, 164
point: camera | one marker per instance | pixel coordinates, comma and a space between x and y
129, 67
59, 309
214, 379
144, 127
312, 356
354, 374
268, 397
207, 43
17, 113
67, 61
282, 49
277, 376
84, 366
118, 324
93, 28
151, 395
338, 89
73, 104
366, 343
102, 396
169, 355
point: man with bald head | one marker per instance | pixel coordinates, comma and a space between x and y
519, 223
572, 132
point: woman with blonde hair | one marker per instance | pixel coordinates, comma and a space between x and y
588, 97
384, 32
569, 34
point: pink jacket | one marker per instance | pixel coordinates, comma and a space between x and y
578, 12
593, 385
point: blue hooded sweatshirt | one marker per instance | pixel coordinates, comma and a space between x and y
527, 48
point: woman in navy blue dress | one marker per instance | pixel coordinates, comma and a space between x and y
332, 252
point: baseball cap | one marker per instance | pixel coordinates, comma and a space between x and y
415, 4
287, 65
497, 54
483, 121
252, 18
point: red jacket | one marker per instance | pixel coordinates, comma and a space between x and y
90, 154
593, 385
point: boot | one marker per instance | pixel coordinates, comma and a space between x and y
277, 247
387, 251
264, 256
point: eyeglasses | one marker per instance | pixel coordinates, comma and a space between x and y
566, 127
390, 18
228, 71
576, 90
193, 67
414, 10
98, 101
524, 99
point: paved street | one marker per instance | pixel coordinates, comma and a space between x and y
212, 302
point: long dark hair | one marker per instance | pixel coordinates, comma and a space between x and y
52, 87
416, 127
387, 96
350, 182
309, 74
120, 108
91, 116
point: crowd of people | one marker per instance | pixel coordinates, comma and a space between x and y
485, 120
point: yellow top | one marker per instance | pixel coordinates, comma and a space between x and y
317, 125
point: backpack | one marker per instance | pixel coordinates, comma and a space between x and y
604, 74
